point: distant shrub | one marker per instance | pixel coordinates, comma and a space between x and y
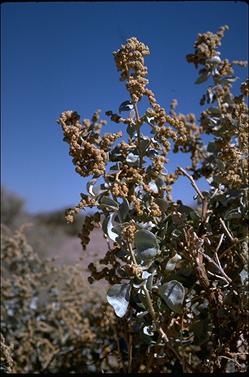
6, 361
179, 276
51, 319
56, 220
48, 230
12, 207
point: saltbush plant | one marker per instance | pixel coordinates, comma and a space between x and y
50, 321
178, 275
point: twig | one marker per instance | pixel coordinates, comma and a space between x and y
217, 260
130, 354
192, 182
229, 358
49, 361
218, 266
138, 134
214, 193
217, 276
132, 254
107, 241
226, 230
148, 298
234, 244
121, 359
220, 242
153, 314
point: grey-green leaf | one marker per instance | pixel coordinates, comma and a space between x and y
131, 157
108, 227
148, 253
96, 189
144, 239
108, 203
144, 144
234, 213
90, 186
118, 297
171, 264
124, 209
150, 120
203, 77
125, 106
173, 294
153, 187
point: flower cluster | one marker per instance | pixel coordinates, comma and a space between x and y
130, 61
129, 230
206, 47
87, 228
86, 201
83, 139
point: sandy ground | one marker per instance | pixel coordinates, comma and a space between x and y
70, 252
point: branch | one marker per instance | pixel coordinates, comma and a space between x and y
152, 312
148, 298
138, 134
218, 266
220, 242
132, 254
192, 182
226, 230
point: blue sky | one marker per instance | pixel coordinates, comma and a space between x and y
58, 56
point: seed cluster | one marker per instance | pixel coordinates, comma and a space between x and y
118, 119
234, 157
129, 230
119, 189
86, 201
129, 60
108, 140
87, 228
206, 45
137, 204
244, 88
231, 118
88, 157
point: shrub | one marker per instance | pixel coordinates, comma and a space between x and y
48, 231
178, 275
6, 361
51, 320
12, 208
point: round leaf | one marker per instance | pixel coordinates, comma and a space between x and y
124, 209
171, 264
118, 297
125, 106
108, 203
148, 253
153, 187
144, 240
90, 185
173, 294
108, 227
131, 157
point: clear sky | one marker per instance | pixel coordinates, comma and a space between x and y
58, 56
